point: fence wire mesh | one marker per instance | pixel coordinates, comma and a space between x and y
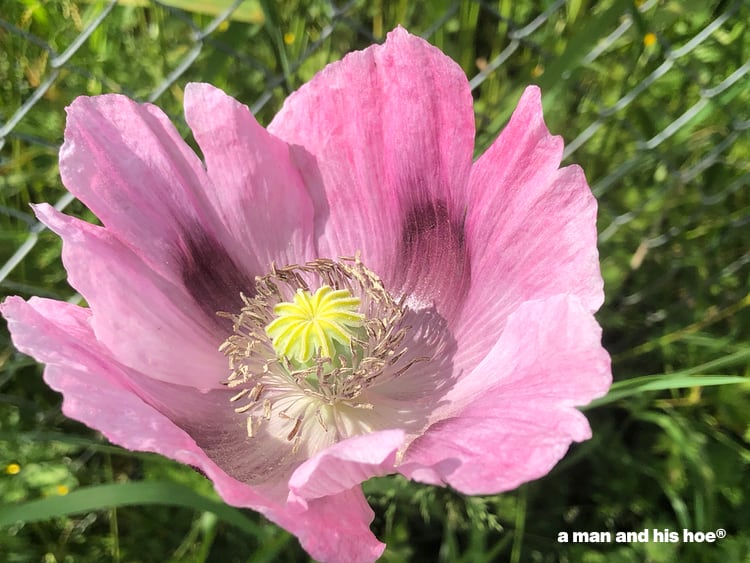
651, 98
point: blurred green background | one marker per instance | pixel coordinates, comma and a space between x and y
653, 101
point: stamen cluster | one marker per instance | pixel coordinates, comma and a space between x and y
295, 373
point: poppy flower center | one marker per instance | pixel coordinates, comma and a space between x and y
310, 346
321, 323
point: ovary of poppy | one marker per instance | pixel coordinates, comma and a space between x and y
343, 295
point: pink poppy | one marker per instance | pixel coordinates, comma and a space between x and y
385, 305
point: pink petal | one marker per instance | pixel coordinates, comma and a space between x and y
100, 393
413, 397
106, 396
336, 529
128, 164
208, 417
325, 489
345, 465
532, 229
391, 132
141, 317
258, 192
514, 415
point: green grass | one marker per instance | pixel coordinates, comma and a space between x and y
668, 156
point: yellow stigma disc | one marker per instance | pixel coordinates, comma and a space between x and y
312, 323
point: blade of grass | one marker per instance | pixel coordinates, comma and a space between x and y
638, 385
209, 526
114, 527
581, 44
272, 25
269, 550
677, 335
520, 525
736, 358
101, 497
248, 12
72, 440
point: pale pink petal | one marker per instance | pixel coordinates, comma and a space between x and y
139, 316
345, 465
130, 166
259, 194
208, 417
106, 396
513, 416
391, 134
100, 393
263, 462
336, 529
412, 397
532, 229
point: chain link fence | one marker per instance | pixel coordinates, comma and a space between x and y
651, 98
